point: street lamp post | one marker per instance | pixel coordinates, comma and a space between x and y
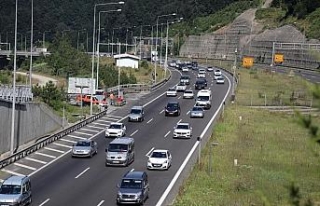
31, 46
98, 45
93, 44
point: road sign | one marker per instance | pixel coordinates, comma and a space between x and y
278, 58
247, 62
75, 84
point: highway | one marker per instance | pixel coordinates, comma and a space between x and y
58, 179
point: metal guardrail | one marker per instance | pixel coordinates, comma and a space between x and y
44, 142
130, 88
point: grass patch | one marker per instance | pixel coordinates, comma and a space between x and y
272, 152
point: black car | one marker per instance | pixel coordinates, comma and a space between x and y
172, 109
201, 83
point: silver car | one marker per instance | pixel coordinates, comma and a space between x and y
85, 148
136, 114
197, 112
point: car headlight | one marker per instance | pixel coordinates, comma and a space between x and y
138, 194
86, 151
166, 161
119, 194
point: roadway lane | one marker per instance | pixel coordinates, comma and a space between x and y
88, 182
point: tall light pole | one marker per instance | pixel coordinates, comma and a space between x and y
94, 46
31, 46
166, 56
98, 45
155, 65
14, 81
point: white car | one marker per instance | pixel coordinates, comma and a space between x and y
116, 129
172, 92
202, 73
220, 80
185, 69
182, 130
217, 72
159, 159
215, 77
210, 69
188, 94
181, 87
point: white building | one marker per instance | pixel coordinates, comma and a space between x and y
127, 60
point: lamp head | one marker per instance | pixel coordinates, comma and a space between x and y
121, 2
174, 14
118, 10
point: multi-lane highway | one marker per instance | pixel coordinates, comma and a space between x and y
58, 179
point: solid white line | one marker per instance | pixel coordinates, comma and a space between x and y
148, 153
133, 133
54, 150
12, 172
149, 121
44, 202
82, 173
66, 140
95, 127
161, 111
36, 160
45, 155
167, 134
62, 145
99, 124
24, 166
176, 176
77, 137
78, 132
100, 203
89, 130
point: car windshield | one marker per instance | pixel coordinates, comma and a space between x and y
83, 144
184, 77
10, 189
182, 126
197, 109
135, 111
172, 89
203, 98
115, 126
172, 106
159, 155
220, 78
131, 184
118, 148
188, 91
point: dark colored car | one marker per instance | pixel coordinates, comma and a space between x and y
201, 83
172, 109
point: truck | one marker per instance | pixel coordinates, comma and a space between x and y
204, 98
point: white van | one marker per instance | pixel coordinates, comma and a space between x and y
120, 151
204, 98
16, 190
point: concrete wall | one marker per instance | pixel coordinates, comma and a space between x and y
32, 120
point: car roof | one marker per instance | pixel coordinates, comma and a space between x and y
188, 90
122, 140
116, 123
197, 107
160, 150
183, 123
173, 102
134, 175
137, 107
14, 180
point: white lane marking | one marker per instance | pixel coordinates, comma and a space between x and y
12, 172
167, 134
99, 124
54, 150
179, 97
179, 121
161, 111
100, 203
148, 153
149, 121
45, 155
66, 140
77, 137
24, 166
132, 170
78, 132
62, 145
44, 202
81, 173
89, 130
181, 168
188, 112
95, 127
133, 133
36, 160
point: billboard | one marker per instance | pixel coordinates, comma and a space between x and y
75, 84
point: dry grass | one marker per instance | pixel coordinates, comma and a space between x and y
272, 152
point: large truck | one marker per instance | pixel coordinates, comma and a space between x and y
204, 98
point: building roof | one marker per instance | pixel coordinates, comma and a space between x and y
122, 56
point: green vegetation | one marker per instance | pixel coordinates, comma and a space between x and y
277, 162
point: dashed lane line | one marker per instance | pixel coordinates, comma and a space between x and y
188, 112
66, 140
12, 172
161, 111
100, 203
133, 133
77, 137
167, 133
24, 166
54, 150
35, 160
148, 153
62, 145
149, 121
45, 155
78, 132
44, 202
84, 171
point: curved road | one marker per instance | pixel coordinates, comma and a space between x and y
58, 179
